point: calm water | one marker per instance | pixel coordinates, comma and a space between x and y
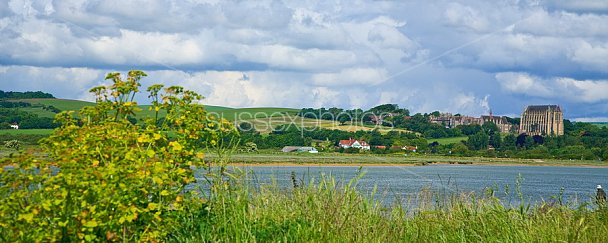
403, 182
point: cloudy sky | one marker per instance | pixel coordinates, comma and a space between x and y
454, 56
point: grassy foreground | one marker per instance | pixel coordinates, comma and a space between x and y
326, 211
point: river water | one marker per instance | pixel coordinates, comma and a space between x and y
403, 183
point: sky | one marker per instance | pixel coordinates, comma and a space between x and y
465, 57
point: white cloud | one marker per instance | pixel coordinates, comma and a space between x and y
323, 53
469, 104
457, 14
72, 83
146, 49
523, 83
585, 91
591, 57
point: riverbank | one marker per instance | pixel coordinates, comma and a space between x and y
337, 159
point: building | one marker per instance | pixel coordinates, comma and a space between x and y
445, 119
467, 120
544, 120
288, 149
354, 143
450, 121
14, 126
410, 148
504, 126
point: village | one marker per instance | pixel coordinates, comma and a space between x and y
536, 120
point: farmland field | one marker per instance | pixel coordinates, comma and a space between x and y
62, 104
26, 131
448, 140
263, 118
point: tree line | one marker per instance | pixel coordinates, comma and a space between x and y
25, 95
391, 115
581, 141
327, 139
354, 115
25, 120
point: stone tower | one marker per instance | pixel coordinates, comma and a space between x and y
544, 120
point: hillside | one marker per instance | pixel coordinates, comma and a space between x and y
263, 118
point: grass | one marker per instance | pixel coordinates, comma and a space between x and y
324, 210
62, 104
26, 131
448, 140
263, 118
601, 124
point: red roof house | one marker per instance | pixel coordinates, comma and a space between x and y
354, 143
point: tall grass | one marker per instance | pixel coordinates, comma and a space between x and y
324, 210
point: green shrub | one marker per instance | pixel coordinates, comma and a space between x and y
109, 179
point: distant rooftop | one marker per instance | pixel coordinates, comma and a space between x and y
543, 108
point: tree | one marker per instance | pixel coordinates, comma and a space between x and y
5, 125
343, 118
478, 141
490, 128
469, 129
245, 127
495, 140
509, 142
459, 149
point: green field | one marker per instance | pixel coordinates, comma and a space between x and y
26, 131
264, 119
448, 140
62, 104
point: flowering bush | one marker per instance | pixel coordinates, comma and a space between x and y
106, 178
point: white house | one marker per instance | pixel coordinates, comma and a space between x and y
354, 143
15, 126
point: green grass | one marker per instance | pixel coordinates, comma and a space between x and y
238, 114
38, 111
447, 140
62, 104
26, 131
324, 210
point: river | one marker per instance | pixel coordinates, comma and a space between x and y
403, 183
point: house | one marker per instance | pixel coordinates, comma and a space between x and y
14, 126
354, 143
410, 148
